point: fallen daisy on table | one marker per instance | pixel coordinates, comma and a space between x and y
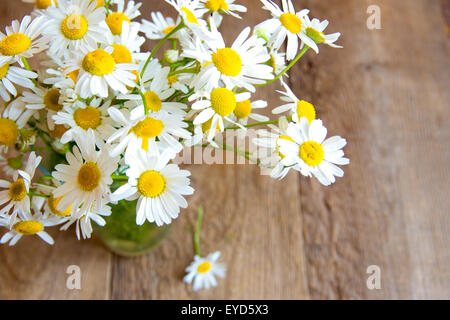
202, 272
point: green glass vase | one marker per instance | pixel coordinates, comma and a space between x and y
124, 237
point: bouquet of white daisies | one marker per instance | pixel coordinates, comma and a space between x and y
100, 121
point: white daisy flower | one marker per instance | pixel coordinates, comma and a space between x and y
127, 46
155, 94
217, 7
87, 176
241, 65
316, 156
22, 40
219, 106
190, 11
159, 27
245, 110
159, 186
142, 132
152, 70
81, 117
98, 70
288, 24
124, 13
10, 75
277, 62
268, 152
14, 117
83, 225
27, 225
74, 24
202, 272
15, 197
296, 107
314, 30
41, 98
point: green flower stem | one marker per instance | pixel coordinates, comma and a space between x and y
27, 66
144, 101
190, 70
258, 124
34, 194
197, 231
119, 178
159, 44
305, 48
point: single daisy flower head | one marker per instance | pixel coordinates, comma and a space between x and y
98, 71
268, 151
241, 65
22, 40
157, 128
13, 118
296, 107
155, 94
158, 185
202, 272
314, 29
10, 75
15, 198
27, 225
159, 27
245, 110
74, 24
81, 117
123, 14
218, 7
316, 156
83, 222
86, 178
286, 23
277, 62
191, 14
220, 106
127, 46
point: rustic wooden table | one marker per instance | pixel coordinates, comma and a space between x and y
387, 91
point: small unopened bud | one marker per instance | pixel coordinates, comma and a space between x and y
171, 56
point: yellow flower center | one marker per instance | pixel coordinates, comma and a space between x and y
153, 101
89, 177
216, 5
8, 132
28, 228
58, 130
282, 156
206, 126
189, 15
121, 54
17, 190
74, 27
168, 29
88, 118
243, 109
315, 35
291, 22
115, 21
307, 110
151, 184
172, 79
227, 61
98, 63
4, 70
204, 267
51, 100
100, 3
53, 204
146, 129
43, 4
13, 44
312, 153
273, 63
223, 101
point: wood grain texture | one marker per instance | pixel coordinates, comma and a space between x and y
387, 93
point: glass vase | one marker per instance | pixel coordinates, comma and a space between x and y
124, 237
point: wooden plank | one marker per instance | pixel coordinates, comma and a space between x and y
387, 92
249, 218
34, 270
